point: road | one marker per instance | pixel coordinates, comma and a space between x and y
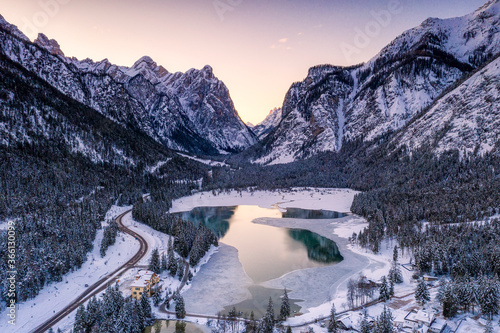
102, 284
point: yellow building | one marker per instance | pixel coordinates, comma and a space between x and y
144, 280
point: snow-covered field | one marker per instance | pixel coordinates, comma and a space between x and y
56, 296
338, 200
223, 280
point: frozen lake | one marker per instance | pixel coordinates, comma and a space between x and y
267, 252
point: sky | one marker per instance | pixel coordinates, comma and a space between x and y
258, 48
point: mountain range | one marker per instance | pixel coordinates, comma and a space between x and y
436, 84
191, 112
414, 86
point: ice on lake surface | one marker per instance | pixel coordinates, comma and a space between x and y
266, 252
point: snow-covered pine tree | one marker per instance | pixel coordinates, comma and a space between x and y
364, 325
156, 296
422, 295
285, 307
267, 322
384, 323
333, 326
180, 310
395, 274
154, 262
489, 327
80, 325
163, 265
395, 254
384, 290
180, 269
145, 306
488, 296
93, 311
171, 261
138, 316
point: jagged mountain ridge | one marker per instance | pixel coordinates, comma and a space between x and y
337, 104
190, 111
268, 124
34, 115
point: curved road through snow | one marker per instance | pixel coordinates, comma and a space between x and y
102, 284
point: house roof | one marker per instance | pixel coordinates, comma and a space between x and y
420, 316
141, 282
438, 324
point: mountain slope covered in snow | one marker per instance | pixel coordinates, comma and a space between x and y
338, 104
190, 111
267, 125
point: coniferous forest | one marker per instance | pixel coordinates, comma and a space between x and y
78, 138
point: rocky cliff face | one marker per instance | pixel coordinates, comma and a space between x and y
190, 111
267, 125
334, 104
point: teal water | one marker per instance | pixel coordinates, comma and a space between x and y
268, 252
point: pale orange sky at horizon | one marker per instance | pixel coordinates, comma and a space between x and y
257, 48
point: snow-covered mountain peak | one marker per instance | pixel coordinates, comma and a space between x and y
267, 125
50, 45
334, 105
145, 61
189, 111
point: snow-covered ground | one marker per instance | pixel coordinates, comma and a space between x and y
204, 161
338, 200
56, 296
318, 287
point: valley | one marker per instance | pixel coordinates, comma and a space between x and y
135, 198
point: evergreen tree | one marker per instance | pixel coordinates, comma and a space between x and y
80, 325
93, 311
384, 291
51, 330
180, 311
288, 329
138, 315
171, 260
285, 307
395, 274
267, 322
488, 296
364, 325
391, 288
251, 325
384, 323
422, 295
154, 262
395, 254
180, 269
333, 326
164, 263
145, 306
156, 296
